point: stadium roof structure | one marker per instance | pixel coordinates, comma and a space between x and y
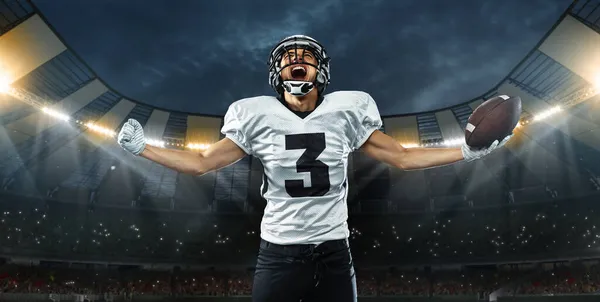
59, 122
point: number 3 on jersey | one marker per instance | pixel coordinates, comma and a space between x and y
314, 143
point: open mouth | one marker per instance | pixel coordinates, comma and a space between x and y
298, 73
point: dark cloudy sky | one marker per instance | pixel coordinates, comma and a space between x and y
200, 55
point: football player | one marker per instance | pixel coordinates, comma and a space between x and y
303, 138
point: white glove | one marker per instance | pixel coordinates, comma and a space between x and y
131, 137
472, 154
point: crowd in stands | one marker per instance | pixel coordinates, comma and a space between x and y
515, 232
563, 279
61, 279
510, 233
541, 279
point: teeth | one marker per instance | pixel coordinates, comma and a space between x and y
297, 67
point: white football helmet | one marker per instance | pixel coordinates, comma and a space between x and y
298, 88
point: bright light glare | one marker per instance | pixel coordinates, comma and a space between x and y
447, 143
454, 142
99, 129
155, 142
597, 82
58, 115
410, 145
4, 84
198, 146
547, 113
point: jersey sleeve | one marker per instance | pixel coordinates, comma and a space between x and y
370, 120
235, 127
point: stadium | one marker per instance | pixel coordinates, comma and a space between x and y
79, 222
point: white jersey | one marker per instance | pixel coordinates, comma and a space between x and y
305, 161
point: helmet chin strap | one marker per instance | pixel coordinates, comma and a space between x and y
298, 88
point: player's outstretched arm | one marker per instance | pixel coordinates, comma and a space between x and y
384, 148
221, 154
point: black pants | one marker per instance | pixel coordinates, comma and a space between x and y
307, 273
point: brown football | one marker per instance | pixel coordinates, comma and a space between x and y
493, 120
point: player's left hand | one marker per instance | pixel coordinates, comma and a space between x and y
471, 154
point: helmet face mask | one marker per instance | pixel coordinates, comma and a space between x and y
299, 44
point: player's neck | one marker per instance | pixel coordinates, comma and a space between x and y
303, 103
